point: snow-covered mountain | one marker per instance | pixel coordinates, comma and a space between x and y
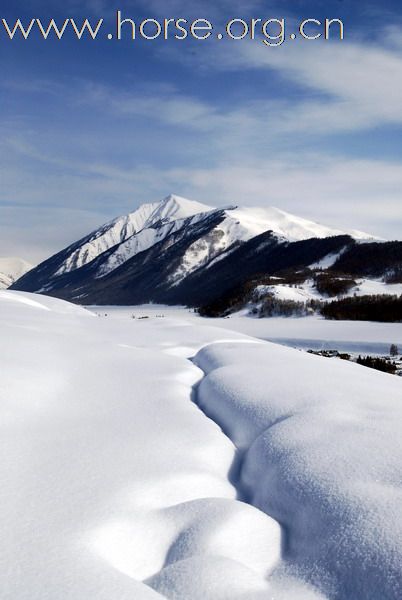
151, 223
130, 233
154, 251
12, 269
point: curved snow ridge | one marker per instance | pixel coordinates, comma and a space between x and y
14, 300
114, 483
205, 529
184, 533
111, 475
322, 455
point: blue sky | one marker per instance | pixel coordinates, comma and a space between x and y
90, 130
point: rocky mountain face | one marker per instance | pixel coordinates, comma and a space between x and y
181, 251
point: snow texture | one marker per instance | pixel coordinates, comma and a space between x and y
322, 454
111, 476
132, 469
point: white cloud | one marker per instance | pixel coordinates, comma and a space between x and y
253, 152
359, 86
361, 194
348, 87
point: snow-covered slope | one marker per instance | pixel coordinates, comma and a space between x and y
288, 226
190, 236
115, 485
149, 224
307, 290
135, 232
12, 269
152, 234
322, 454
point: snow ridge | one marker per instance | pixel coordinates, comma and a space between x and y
151, 223
116, 485
122, 481
322, 456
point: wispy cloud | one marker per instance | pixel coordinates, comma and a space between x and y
325, 188
360, 85
330, 189
296, 127
345, 87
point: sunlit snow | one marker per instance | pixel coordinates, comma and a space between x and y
165, 457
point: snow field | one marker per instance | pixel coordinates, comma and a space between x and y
307, 291
113, 481
322, 454
317, 333
114, 484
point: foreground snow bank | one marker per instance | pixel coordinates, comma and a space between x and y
16, 303
322, 454
113, 483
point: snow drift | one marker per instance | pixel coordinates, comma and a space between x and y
116, 485
322, 454
113, 481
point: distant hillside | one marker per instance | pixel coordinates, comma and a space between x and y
11, 269
183, 252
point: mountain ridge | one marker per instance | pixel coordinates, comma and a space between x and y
187, 244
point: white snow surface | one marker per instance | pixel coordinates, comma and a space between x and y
306, 291
322, 454
288, 226
142, 221
328, 261
283, 291
317, 333
12, 269
368, 287
115, 484
151, 223
298, 332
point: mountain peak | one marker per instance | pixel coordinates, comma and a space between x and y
177, 207
202, 234
172, 198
